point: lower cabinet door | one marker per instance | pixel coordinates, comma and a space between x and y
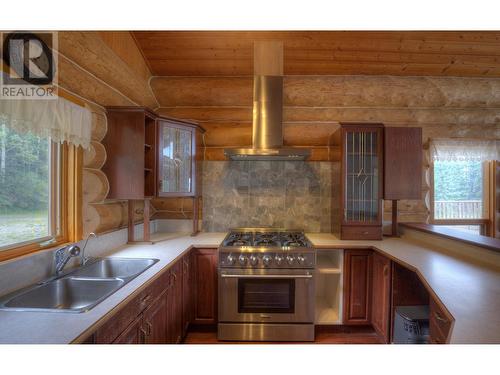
177, 302
187, 289
133, 334
357, 287
205, 286
154, 322
381, 295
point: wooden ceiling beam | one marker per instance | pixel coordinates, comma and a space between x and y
333, 91
410, 116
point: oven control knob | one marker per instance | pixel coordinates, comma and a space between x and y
242, 259
230, 259
301, 259
290, 259
278, 259
254, 260
266, 259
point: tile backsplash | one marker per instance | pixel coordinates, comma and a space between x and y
267, 193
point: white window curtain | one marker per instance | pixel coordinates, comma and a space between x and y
59, 119
464, 149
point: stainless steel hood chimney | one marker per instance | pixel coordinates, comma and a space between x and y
267, 134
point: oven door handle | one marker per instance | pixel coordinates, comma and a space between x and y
226, 276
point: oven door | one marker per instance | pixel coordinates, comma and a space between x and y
266, 296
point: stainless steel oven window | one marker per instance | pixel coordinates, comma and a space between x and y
266, 295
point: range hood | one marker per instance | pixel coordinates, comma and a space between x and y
267, 127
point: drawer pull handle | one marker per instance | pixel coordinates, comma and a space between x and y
150, 327
145, 300
441, 319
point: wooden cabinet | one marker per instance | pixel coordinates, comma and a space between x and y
381, 295
175, 328
177, 159
357, 287
130, 144
440, 322
205, 286
187, 292
361, 176
133, 334
152, 317
402, 163
155, 320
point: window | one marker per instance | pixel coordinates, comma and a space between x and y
459, 194
30, 194
461, 179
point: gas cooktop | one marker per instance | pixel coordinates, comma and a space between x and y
266, 238
266, 248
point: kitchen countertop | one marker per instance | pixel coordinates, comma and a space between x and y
469, 290
26, 327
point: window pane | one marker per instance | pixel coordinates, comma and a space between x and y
24, 187
458, 190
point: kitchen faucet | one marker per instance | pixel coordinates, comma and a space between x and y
85, 258
63, 256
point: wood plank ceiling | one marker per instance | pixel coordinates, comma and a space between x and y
438, 80
223, 53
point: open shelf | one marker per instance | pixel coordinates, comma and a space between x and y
329, 279
329, 261
326, 314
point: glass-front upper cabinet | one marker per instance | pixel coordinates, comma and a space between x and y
362, 180
176, 162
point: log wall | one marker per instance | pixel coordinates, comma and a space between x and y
314, 105
107, 69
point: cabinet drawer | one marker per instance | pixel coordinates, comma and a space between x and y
152, 291
119, 322
361, 233
123, 318
439, 324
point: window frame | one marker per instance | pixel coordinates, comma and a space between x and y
65, 211
484, 223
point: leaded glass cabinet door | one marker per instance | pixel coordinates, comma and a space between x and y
176, 166
362, 185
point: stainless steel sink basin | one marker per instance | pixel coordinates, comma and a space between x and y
124, 268
70, 293
80, 290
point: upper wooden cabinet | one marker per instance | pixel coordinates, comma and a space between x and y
130, 144
402, 163
361, 182
149, 156
177, 166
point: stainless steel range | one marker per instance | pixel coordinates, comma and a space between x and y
266, 285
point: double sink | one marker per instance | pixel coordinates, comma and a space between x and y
79, 290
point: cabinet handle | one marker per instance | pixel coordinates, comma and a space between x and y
145, 300
150, 327
175, 276
386, 270
144, 333
441, 319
